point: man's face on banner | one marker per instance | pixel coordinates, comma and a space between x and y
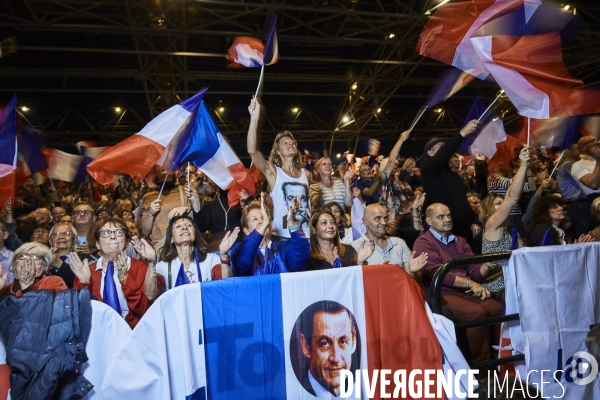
300, 191
331, 348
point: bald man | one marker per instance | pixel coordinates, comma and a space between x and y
587, 169
461, 292
388, 249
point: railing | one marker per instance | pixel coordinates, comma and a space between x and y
461, 327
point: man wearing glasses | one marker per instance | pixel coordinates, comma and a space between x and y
83, 218
62, 242
57, 214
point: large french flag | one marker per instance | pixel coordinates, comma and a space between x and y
555, 133
65, 166
8, 155
446, 36
90, 149
138, 154
207, 149
247, 338
531, 71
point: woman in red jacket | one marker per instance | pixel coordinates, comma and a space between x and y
126, 291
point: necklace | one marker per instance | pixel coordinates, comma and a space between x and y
225, 211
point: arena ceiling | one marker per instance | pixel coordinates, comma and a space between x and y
100, 69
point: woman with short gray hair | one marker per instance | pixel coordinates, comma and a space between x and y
30, 263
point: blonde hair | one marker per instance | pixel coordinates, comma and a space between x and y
275, 158
24, 248
487, 209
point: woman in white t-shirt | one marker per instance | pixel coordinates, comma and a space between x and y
184, 259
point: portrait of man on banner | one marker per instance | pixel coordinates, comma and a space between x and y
295, 189
325, 340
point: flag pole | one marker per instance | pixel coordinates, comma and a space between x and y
491, 104
417, 118
528, 130
260, 81
188, 171
163, 185
557, 161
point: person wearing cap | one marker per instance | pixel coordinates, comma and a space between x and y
444, 186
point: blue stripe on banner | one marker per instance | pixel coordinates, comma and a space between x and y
243, 333
199, 394
200, 337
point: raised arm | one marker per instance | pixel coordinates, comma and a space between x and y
267, 169
513, 194
394, 153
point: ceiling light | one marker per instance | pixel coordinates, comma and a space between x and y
379, 110
221, 109
118, 109
345, 119
566, 7
338, 155
25, 108
354, 86
391, 36
295, 109
439, 110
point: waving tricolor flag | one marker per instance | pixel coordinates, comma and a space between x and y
250, 52
485, 140
65, 166
31, 161
138, 154
184, 132
8, 154
531, 71
446, 36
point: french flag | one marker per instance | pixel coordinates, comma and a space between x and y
184, 132
9, 154
89, 149
446, 36
531, 71
554, 133
31, 161
260, 337
485, 140
449, 83
138, 154
64, 166
250, 52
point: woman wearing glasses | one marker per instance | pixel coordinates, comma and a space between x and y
184, 258
30, 262
127, 285
62, 242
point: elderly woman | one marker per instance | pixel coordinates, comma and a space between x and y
549, 224
126, 284
257, 255
328, 189
184, 258
326, 250
30, 262
62, 240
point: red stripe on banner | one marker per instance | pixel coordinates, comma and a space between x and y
396, 317
538, 58
447, 27
7, 188
4, 380
134, 156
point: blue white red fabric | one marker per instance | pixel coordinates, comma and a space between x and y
8, 155
484, 141
64, 166
250, 52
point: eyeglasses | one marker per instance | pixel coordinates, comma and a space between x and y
108, 233
34, 257
80, 212
65, 233
42, 233
58, 213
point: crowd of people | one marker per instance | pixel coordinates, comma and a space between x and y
135, 240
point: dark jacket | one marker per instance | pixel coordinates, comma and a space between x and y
444, 186
286, 256
45, 334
